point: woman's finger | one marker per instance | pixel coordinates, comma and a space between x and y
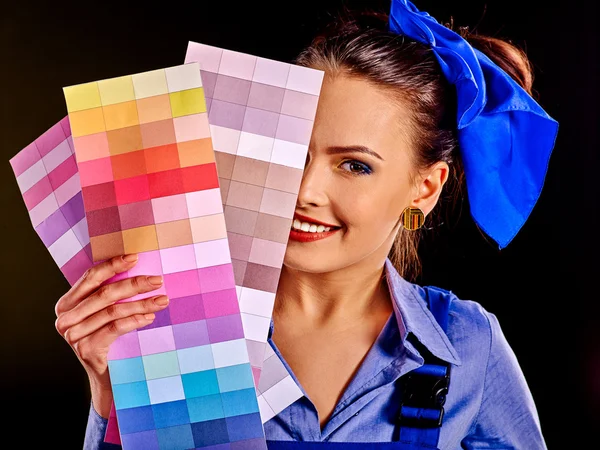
104, 296
111, 313
92, 279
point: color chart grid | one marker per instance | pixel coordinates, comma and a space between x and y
261, 114
150, 186
48, 178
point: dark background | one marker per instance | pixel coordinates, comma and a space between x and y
541, 287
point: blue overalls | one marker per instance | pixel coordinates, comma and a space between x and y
423, 396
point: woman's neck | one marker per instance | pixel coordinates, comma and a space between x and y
351, 293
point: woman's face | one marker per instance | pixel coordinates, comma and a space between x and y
356, 179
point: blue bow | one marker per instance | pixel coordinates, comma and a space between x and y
505, 137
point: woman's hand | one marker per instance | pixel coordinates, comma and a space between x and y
90, 320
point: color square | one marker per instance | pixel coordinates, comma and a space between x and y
273, 228
244, 195
305, 79
68, 190
124, 140
220, 303
131, 190
186, 309
255, 146
164, 390
134, 215
125, 346
141, 239
163, 158
199, 178
130, 395
245, 427
153, 109
237, 403
267, 253
261, 277
241, 221
107, 246
116, 90
103, 221
210, 432
133, 420
225, 164
267, 97
171, 414
171, 208
128, 370
56, 155
196, 152
93, 172
178, 259
268, 71
93, 146
209, 81
148, 264
207, 228
200, 384
209, 56
256, 302
251, 171
278, 203
191, 334
239, 246
206, 407
166, 183
156, 341
261, 122
236, 64
82, 96
52, 228
299, 104
174, 234
283, 178
235, 378
66, 170
120, 115
147, 440
294, 129
189, 128
232, 90
73, 209
87, 121
161, 365
212, 253
195, 359
256, 328
289, 154
149, 84
229, 353
225, 139
190, 101
183, 77
227, 115
215, 278
162, 318
128, 165
225, 328
182, 284
176, 437
64, 248
157, 134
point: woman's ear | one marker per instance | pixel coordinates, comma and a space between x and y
430, 187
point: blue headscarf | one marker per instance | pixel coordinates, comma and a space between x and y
505, 137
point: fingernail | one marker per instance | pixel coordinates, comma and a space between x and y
149, 316
130, 258
155, 280
162, 300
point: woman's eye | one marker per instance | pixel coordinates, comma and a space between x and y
356, 167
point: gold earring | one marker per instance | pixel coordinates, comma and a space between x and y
412, 218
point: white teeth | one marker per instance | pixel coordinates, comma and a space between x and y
309, 227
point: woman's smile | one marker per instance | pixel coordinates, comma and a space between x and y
306, 229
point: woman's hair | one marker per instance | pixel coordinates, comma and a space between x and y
360, 45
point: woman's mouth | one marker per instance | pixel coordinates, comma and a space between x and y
309, 232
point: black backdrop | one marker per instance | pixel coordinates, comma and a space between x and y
541, 286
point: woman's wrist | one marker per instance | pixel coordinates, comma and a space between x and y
102, 399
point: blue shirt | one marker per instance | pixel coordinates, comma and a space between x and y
489, 404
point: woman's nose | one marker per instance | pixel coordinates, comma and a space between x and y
313, 189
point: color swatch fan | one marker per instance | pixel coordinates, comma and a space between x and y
149, 184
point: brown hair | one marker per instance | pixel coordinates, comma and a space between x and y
358, 44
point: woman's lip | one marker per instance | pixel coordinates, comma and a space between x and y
307, 236
302, 218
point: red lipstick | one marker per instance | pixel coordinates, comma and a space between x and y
307, 236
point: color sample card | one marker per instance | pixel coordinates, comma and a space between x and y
261, 114
48, 178
150, 186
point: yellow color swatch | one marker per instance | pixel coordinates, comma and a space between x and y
88, 121
149, 84
142, 239
116, 90
121, 115
190, 101
82, 96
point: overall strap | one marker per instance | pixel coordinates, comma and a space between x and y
424, 389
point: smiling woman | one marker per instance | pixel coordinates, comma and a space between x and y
400, 93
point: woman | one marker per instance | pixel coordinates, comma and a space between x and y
396, 101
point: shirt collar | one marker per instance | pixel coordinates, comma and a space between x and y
414, 317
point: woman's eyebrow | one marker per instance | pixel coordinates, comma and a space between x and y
353, 149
